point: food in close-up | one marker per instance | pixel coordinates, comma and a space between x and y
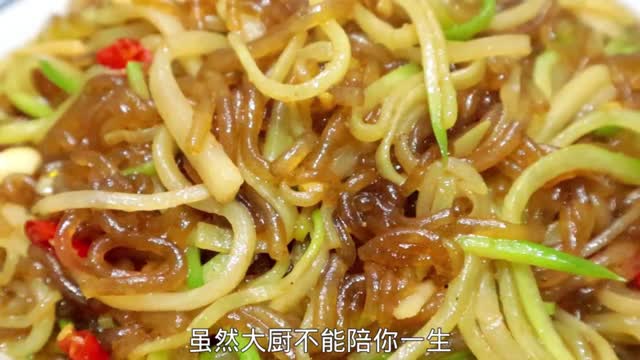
322, 179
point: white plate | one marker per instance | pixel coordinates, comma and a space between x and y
21, 20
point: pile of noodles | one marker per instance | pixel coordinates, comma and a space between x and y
323, 157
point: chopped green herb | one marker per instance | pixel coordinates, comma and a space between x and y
525, 252
159, 355
622, 46
607, 131
543, 72
62, 323
33, 106
194, 268
135, 74
68, 81
376, 92
550, 307
249, 354
147, 168
475, 25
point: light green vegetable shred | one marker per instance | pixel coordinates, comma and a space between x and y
135, 74
529, 253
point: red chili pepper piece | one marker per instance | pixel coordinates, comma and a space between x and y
117, 55
635, 282
40, 232
83, 345
81, 245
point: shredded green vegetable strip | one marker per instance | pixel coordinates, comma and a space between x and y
622, 46
550, 307
159, 355
525, 252
146, 169
601, 123
376, 92
572, 158
536, 312
71, 83
607, 131
475, 25
249, 354
543, 72
458, 355
62, 323
135, 74
195, 277
33, 106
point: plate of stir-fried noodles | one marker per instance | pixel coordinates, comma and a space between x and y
320, 179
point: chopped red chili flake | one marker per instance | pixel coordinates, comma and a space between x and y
635, 282
81, 245
40, 232
117, 55
82, 345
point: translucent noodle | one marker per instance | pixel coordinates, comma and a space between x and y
617, 227
287, 212
232, 272
139, 136
312, 262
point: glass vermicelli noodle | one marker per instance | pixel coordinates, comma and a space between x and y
322, 179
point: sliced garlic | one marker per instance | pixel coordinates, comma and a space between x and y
19, 160
410, 306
